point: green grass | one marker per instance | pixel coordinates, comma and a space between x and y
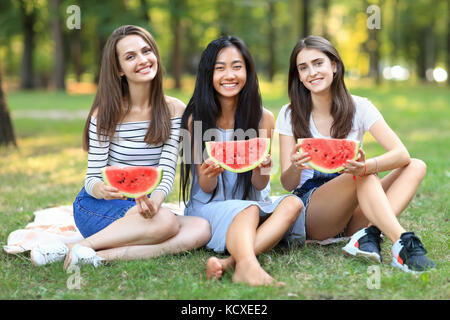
48, 170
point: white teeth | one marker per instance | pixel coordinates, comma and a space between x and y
315, 81
145, 69
227, 85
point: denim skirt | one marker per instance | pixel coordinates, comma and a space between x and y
307, 189
92, 215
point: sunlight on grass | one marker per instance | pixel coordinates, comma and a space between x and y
403, 103
49, 167
427, 135
29, 147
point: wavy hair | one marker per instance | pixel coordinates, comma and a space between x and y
342, 109
113, 89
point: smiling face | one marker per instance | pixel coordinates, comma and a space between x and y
315, 70
138, 62
230, 73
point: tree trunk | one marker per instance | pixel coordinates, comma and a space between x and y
373, 50
421, 56
26, 72
177, 8
6, 128
225, 17
326, 11
76, 54
305, 20
374, 55
58, 53
272, 39
144, 11
176, 62
397, 37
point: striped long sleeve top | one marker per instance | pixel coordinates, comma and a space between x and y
128, 148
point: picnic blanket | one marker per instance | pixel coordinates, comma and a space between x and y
57, 224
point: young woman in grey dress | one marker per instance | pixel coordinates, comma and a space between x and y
244, 222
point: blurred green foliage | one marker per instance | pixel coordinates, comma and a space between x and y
413, 34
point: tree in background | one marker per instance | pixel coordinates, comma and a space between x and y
372, 48
28, 13
271, 39
306, 10
59, 68
6, 128
176, 9
413, 34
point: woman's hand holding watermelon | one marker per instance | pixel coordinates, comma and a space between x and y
146, 207
266, 166
207, 175
210, 169
356, 167
298, 159
102, 191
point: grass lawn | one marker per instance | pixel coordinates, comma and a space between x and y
48, 170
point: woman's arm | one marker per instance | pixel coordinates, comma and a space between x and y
261, 174
97, 159
289, 156
396, 155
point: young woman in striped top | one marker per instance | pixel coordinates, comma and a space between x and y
131, 123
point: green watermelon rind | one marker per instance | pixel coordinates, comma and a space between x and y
136, 195
325, 170
244, 169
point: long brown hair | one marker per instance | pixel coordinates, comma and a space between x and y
342, 108
113, 89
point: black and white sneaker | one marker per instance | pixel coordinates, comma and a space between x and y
409, 254
365, 243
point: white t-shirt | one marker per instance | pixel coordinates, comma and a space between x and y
365, 116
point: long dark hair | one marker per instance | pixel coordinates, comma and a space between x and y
205, 107
113, 89
342, 109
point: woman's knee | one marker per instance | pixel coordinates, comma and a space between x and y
167, 225
418, 168
200, 231
292, 208
252, 210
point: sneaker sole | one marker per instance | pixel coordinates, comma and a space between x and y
405, 268
351, 251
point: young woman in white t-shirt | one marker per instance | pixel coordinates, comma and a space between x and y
354, 201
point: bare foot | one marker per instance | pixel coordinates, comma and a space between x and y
215, 267
251, 273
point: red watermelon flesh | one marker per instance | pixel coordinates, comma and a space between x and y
238, 156
329, 155
132, 182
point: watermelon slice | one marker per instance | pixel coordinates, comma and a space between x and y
238, 156
132, 182
329, 155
